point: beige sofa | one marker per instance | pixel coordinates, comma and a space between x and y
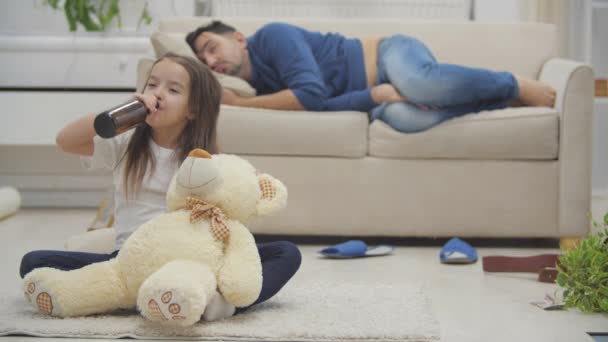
518, 172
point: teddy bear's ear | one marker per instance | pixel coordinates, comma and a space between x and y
274, 195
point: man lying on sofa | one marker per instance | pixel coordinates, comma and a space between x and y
396, 79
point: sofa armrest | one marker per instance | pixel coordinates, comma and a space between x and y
573, 82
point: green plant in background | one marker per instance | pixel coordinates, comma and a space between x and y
92, 17
584, 276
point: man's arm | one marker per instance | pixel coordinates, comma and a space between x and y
286, 100
283, 48
292, 57
282, 100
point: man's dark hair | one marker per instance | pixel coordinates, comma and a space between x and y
216, 26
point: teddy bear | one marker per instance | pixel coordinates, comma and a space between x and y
171, 265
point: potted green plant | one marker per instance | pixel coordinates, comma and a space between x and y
584, 272
94, 15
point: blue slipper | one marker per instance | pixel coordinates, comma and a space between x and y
457, 251
355, 249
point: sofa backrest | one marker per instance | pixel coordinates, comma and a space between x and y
521, 48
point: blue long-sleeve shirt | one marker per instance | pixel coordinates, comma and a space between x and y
326, 72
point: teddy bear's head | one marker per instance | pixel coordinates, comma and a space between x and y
228, 182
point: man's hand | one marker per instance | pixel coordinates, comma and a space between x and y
385, 92
229, 97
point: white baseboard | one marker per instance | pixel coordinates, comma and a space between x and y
46, 177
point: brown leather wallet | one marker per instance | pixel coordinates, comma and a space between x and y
544, 264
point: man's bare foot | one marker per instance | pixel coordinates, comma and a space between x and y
534, 93
516, 103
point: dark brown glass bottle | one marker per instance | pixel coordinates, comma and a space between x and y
119, 119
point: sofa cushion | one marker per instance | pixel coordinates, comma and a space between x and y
254, 131
512, 133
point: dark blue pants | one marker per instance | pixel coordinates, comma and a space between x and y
280, 261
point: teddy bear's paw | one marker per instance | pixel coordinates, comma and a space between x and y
40, 298
165, 308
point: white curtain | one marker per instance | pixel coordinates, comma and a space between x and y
553, 12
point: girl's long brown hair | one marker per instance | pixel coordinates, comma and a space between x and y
199, 132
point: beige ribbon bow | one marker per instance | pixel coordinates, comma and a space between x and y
201, 209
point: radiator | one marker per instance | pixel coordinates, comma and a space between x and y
426, 9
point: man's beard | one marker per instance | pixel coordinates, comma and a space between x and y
236, 70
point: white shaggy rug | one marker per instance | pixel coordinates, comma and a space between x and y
345, 312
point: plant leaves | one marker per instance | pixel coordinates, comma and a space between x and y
53, 3
145, 16
95, 19
84, 16
584, 274
68, 9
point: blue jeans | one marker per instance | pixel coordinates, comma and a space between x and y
280, 261
411, 68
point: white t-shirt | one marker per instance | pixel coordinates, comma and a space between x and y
150, 200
